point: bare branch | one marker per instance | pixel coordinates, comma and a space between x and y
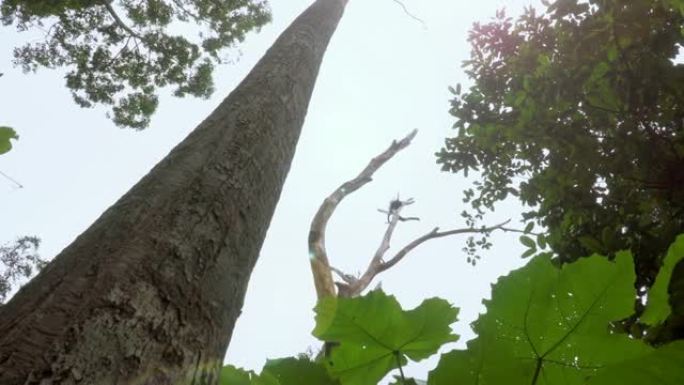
9, 178
320, 266
409, 14
348, 278
377, 266
376, 263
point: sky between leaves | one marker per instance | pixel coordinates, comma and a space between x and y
383, 75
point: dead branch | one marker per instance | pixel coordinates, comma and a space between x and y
377, 265
320, 266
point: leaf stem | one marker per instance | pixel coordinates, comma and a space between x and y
401, 370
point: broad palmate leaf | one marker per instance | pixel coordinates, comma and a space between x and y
549, 326
284, 371
662, 367
374, 334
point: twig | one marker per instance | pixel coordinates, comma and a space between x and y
349, 279
409, 14
320, 266
510, 230
11, 179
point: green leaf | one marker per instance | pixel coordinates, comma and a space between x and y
662, 367
528, 253
529, 227
549, 326
230, 375
528, 242
297, 371
541, 241
373, 331
6, 135
658, 307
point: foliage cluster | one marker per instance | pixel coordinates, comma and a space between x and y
544, 325
18, 261
579, 112
120, 52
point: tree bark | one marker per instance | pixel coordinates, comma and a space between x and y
149, 294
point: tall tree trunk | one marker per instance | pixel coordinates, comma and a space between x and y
149, 294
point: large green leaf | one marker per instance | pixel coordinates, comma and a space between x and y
297, 371
374, 333
284, 371
658, 307
662, 367
6, 134
230, 375
549, 326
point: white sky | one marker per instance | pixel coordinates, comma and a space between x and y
383, 75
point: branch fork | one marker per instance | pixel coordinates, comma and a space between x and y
350, 285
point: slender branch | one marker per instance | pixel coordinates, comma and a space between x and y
19, 185
376, 262
320, 266
377, 266
349, 279
409, 14
510, 230
120, 22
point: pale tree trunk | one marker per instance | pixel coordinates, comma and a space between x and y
149, 294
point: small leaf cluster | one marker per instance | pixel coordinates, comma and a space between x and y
578, 112
119, 53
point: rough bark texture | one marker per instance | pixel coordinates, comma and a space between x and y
149, 294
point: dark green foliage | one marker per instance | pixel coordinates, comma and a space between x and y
579, 112
18, 260
120, 52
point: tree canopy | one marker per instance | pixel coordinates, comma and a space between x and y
579, 112
119, 53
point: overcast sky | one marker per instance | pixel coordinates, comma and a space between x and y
383, 75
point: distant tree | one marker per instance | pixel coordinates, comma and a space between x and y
119, 52
579, 112
18, 260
